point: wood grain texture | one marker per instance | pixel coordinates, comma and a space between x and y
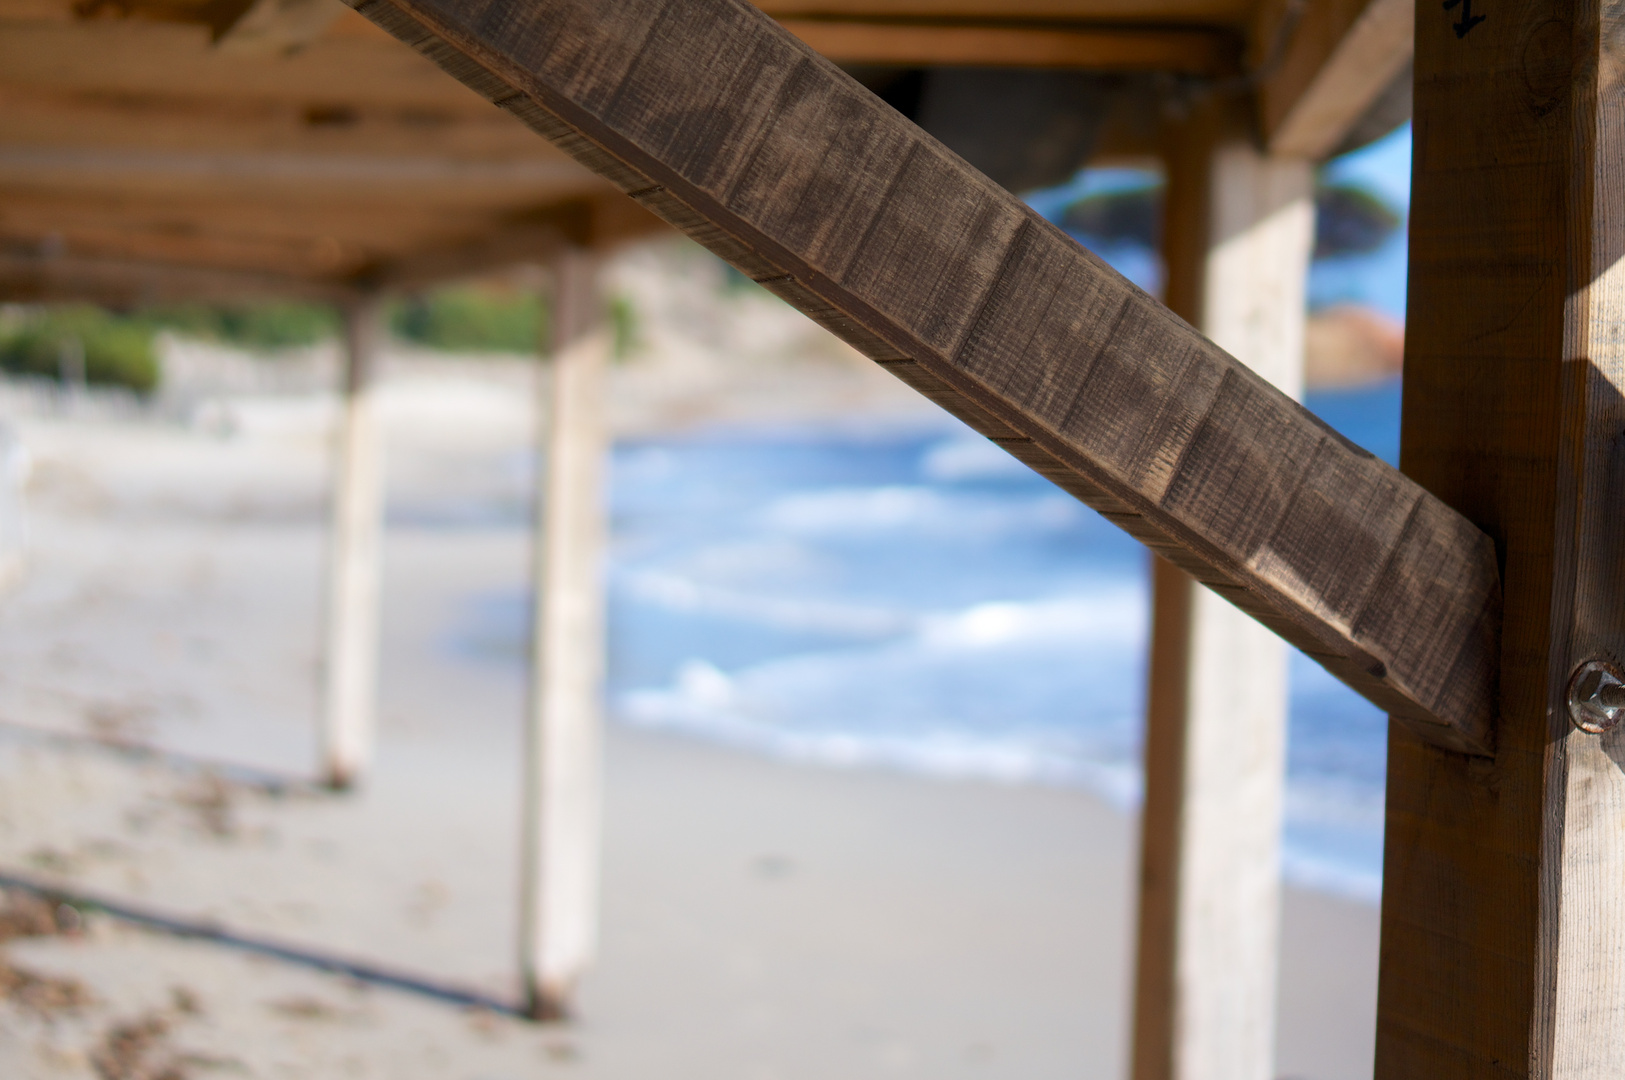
1189, 12
127, 283
1503, 878
140, 162
279, 27
1097, 48
721, 122
1237, 231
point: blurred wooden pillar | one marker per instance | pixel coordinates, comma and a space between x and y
559, 897
1238, 228
353, 557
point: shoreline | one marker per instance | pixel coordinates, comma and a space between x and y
762, 919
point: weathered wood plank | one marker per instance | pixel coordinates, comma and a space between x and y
278, 27
720, 121
1096, 48
532, 240
1324, 64
1504, 879
125, 282
1237, 230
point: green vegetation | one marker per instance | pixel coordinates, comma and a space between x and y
623, 323
1349, 219
120, 350
475, 319
270, 325
82, 341
470, 319
1132, 216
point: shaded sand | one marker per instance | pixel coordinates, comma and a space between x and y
762, 920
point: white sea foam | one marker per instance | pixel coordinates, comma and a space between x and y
706, 704
946, 699
1310, 869
920, 510
952, 618
678, 592
972, 458
1112, 616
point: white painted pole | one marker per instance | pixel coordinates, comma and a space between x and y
353, 558
1240, 227
559, 888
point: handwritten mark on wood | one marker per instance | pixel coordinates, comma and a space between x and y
1468, 19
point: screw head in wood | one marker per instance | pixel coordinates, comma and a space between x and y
1596, 696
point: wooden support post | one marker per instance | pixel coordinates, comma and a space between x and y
353, 557
559, 887
1238, 229
1503, 908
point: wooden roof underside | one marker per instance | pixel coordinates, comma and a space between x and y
168, 149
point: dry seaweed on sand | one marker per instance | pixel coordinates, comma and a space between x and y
138, 1049
43, 995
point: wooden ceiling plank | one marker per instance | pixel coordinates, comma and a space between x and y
135, 170
1336, 60
1210, 12
311, 218
130, 282
135, 57
597, 223
33, 117
284, 255
733, 130
531, 243
279, 27
1098, 48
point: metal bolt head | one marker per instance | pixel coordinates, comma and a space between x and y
1596, 696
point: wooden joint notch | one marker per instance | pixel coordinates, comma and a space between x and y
733, 130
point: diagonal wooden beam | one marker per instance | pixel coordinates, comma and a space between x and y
720, 121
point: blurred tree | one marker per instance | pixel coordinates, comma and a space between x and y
272, 325
79, 341
1349, 219
472, 319
1133, 216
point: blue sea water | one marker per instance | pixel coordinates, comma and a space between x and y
913, 598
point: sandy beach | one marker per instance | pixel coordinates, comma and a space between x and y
761, 919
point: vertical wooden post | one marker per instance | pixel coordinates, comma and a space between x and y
353, 557
559, 897
1503, 913
1238, 228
